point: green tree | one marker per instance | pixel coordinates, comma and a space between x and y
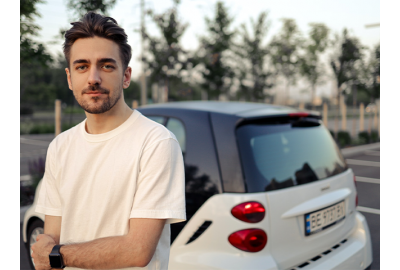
31, 51
217, 73
310, 65
253, 76
366, 79
284, 50
165, 58
81, 7
33, 55
344, 60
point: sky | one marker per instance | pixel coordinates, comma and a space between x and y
337, 15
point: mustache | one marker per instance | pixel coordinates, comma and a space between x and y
96, 88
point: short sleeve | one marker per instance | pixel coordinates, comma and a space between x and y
160, 190
49, 202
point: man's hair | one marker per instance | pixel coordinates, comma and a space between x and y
93, 24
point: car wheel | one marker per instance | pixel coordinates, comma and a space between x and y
36, 228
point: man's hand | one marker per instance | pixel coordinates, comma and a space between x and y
41, 250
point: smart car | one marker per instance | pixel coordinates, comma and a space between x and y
266, 188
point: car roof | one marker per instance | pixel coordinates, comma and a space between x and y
240, 109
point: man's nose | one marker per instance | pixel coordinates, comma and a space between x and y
94, 76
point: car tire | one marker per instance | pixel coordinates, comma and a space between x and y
36, 228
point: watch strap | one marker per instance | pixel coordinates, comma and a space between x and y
55, 257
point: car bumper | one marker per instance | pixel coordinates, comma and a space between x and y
354, 252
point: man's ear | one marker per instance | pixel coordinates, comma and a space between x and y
68, 78
127, 77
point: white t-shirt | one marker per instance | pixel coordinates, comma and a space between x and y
98, 182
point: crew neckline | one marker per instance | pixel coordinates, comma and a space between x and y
110, 134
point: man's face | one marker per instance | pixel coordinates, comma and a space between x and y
96, 74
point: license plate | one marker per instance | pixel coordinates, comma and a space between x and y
324, 218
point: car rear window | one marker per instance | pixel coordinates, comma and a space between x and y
276, 156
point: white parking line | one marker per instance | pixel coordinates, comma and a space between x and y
372, 153
368, 210
368, 180
362, 162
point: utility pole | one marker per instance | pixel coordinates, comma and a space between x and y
143, 93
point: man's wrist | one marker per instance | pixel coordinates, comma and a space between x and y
62, 252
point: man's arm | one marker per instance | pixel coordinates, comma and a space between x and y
132, 250
52, 227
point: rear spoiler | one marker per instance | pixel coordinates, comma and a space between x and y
295, 118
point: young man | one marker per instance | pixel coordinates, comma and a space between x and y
114, 182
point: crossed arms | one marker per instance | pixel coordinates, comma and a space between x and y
134, 249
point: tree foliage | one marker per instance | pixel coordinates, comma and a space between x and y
310, 65
253, 76
284, 50
217, 74
366, 78
31, 51
165, 58
343, 62
81, 7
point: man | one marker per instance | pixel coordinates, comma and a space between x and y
114, 182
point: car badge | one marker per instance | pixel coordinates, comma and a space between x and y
325, 188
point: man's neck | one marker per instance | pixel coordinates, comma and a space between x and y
105, 122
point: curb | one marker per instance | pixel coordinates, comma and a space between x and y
359, 149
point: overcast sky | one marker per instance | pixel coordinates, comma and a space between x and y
352, 14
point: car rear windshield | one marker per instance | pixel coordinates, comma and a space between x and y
276, 156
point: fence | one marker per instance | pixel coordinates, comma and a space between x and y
350, 119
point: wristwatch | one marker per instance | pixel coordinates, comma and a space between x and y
55, 257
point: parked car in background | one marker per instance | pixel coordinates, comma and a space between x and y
266, 188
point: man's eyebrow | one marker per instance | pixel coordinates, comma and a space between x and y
106, 60
80, 61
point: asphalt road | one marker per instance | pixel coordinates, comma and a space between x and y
368, 188
367, 172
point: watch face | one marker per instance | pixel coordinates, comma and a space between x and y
55, 261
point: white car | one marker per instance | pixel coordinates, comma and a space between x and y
266, 188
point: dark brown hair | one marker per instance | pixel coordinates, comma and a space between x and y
93, 24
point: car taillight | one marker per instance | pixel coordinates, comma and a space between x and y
251, 212
355, 184
251, 240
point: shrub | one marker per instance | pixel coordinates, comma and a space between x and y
47, 128
374, 136
42, 129
343, 138
25, 110
364, 137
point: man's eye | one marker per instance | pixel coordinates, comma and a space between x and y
108, 67
81, 68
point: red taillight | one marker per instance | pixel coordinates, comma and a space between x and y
251, 212
299, 114
355, 184
251, 240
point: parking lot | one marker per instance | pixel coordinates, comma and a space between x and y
364, 162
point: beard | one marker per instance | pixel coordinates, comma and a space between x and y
97, 105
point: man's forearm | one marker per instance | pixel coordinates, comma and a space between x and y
106, 253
